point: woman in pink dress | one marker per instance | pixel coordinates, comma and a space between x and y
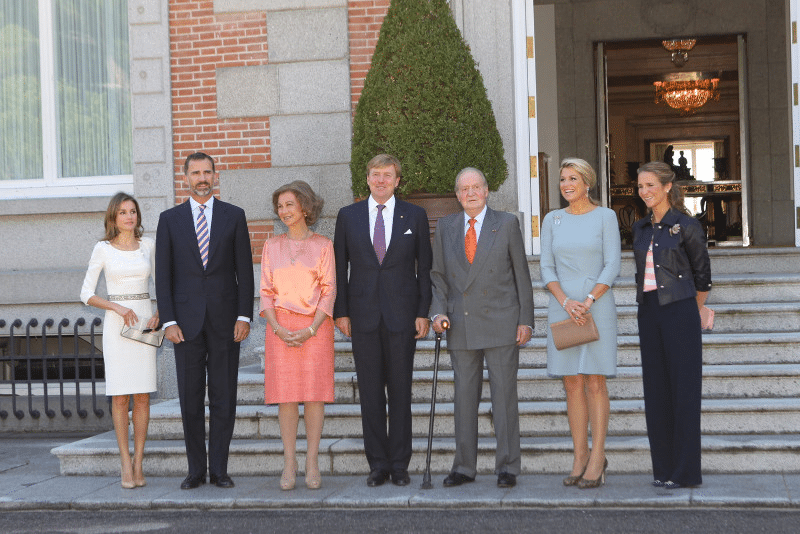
298, 287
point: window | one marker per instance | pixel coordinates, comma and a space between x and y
65, 105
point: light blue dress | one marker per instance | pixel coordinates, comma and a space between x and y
579, 251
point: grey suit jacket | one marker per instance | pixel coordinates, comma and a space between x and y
488, 299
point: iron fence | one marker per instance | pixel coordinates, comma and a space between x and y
49, 368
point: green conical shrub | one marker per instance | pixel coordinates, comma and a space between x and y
425, 103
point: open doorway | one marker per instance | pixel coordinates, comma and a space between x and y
678, 101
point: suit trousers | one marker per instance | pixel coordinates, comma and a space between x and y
672, 371
208, 354
384, 367
503, 363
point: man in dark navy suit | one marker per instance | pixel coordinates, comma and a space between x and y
383, 306
205, 289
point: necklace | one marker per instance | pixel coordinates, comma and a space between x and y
300, 244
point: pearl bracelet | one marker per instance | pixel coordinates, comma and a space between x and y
564, 304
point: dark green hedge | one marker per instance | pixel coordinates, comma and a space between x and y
425, 103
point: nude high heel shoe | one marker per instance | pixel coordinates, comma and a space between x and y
289, 476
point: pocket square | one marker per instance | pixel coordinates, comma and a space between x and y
408, 232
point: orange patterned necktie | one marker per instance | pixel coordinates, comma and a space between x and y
471, 241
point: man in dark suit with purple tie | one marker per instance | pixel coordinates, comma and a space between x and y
383, 306
205, 289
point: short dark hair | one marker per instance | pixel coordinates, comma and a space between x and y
310, 202
197, 156
111, 216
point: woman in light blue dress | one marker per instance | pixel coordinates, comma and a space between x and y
580, 260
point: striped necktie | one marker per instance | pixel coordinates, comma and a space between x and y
202, 235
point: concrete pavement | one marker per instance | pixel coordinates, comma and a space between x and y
30, 480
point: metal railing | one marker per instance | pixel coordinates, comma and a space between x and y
43, 365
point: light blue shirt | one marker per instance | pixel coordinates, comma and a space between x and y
209, 213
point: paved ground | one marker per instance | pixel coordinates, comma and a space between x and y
551, 521
30, 480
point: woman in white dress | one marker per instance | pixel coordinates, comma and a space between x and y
128, 260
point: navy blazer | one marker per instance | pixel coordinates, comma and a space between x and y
399, 289
186, 292
680, 256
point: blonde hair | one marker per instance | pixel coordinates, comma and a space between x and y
384, 160
585, 171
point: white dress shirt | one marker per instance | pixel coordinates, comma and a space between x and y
388, 218
209, 213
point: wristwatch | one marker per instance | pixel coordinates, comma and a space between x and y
590, 296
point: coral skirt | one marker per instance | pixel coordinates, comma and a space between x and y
298, 374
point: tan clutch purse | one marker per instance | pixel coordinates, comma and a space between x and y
568, 334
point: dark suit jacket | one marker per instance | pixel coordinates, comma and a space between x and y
487, 299
186, 292
399, 290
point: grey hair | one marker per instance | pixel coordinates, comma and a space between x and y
469, 170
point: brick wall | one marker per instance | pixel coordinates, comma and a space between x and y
201, 42
364, 21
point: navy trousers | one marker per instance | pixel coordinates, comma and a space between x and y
213, 358
672, 370
384, 368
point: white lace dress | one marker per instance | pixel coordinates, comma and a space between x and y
130, 366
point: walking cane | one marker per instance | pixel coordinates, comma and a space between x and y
426, 478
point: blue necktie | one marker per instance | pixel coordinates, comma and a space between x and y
202, 235
379, 235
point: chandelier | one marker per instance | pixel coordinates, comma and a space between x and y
680, 49
687, 92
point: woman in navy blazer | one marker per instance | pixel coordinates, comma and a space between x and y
673, 278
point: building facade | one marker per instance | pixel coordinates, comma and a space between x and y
268, 88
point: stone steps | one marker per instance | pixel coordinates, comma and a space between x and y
751, 380
719, 381
734, 453
729, 318
730, 348
537, 418
728, 289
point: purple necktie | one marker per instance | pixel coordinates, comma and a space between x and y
379, 235
202, 235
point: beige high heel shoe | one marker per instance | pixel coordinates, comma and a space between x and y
126, 484
289, 476
313, 478
140, 482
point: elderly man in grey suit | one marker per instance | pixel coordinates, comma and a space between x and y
482, 287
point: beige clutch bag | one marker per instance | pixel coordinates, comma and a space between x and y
568, 334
